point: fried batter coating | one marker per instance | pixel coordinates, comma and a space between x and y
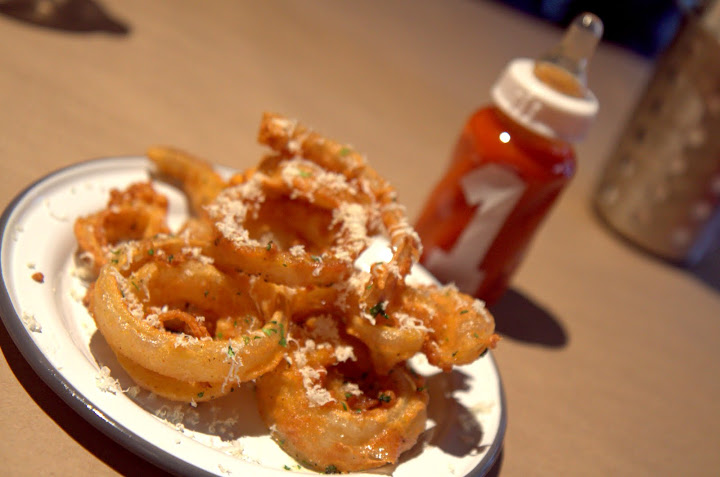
285, 241
169, 277
170, 388
461, 328
327, 407
197, 177
449, 327
289, 138
293, 222
263, 283
134, 213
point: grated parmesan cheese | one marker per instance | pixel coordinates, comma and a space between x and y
30, 322
196, 253
351, 388
235, 363
330, 183
133, 304
344, 353
107, 383
354, 285
316, 394
410, 322
480, 308
297, 250
234, 205
353, 219
324, 328
300, 355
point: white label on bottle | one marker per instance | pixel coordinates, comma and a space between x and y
495, 190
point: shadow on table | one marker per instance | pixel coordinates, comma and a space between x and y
77, 16
495, 469
519, 318
94, 441
708, 271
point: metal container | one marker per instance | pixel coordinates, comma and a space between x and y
661, 186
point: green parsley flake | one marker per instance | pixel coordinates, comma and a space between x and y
384, 397
269, 245
230, 351
464, 311
283, 341
151, 251
378, 310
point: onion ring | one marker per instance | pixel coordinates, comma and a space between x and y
196, 176
129, 296
340, 416
134, 213
449, 327
461, 329
290, 138
263, 283
170, 388
291, 227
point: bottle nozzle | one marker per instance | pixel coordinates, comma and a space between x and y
564, 67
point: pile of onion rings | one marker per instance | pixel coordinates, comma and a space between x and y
261, 284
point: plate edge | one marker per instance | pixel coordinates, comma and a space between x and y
86, 409
54, 379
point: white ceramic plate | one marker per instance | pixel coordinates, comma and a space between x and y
56, 335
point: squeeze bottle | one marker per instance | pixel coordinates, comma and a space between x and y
510, 163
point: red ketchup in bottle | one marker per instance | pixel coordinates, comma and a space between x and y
510, 163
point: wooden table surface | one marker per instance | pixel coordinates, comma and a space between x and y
609, 358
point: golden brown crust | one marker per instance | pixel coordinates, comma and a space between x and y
262, 284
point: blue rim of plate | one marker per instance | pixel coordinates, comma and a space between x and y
95, 415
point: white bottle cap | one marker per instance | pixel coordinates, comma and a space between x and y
539, 107
550, 95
